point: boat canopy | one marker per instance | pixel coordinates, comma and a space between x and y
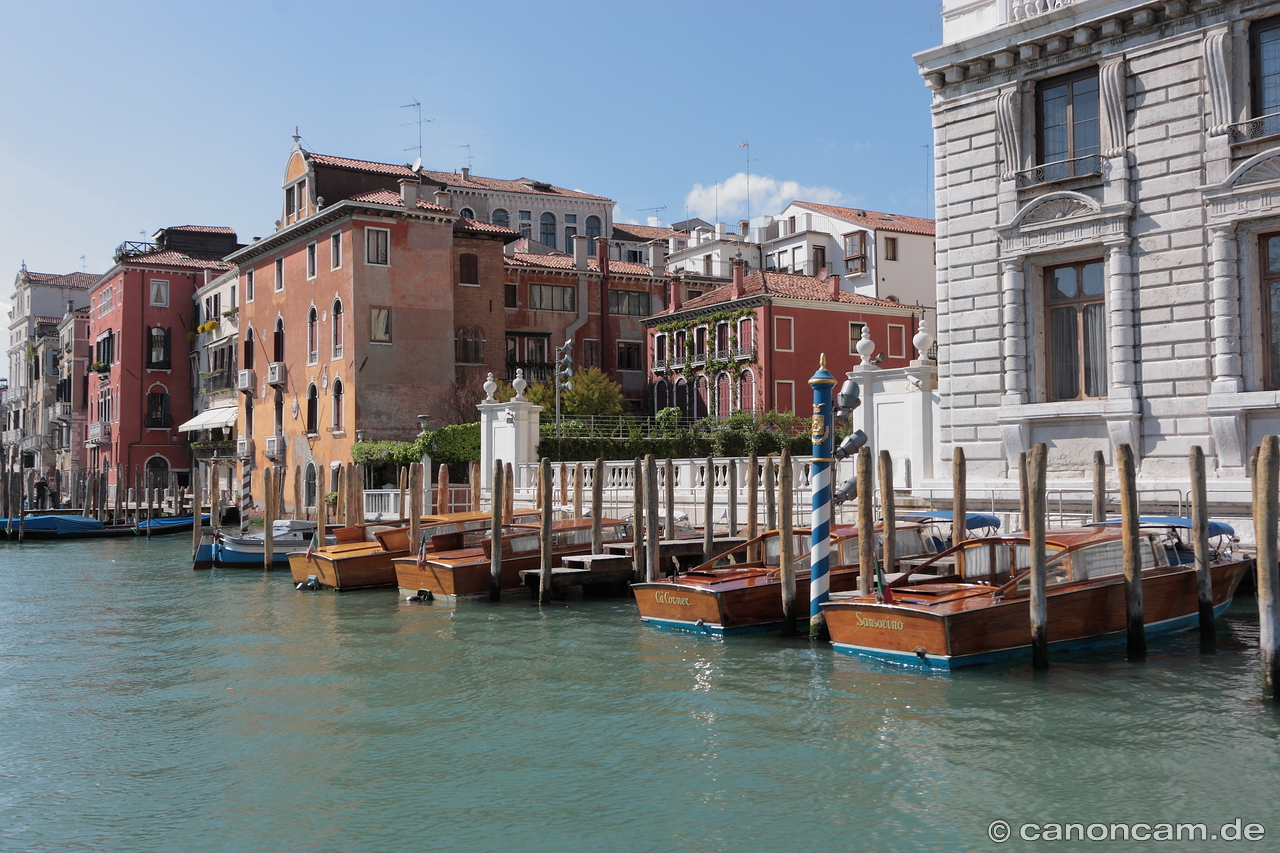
59, 524
1216, 528
973, 520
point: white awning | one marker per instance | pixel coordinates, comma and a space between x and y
223, 416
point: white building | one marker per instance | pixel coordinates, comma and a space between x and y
1108, 197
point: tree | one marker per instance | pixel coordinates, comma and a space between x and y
593, 393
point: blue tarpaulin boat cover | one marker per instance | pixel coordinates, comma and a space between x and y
973, 520
1216, 528
57, 523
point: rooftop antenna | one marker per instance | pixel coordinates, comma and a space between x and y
417, 105
83, 268
747, 145
654, 209
297, 137
467, 145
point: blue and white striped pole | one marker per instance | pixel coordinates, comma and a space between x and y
822, 433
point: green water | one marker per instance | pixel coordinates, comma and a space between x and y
149, 708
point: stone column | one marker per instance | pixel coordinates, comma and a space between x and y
1120, 321
1013, 318
1224, 302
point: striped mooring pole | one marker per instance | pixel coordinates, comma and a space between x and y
246, 498
822, 432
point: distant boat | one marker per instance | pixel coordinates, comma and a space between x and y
83, 527
287, 534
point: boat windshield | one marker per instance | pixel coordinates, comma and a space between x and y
799, 551
907, 543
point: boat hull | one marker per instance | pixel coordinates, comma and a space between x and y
986, 630
364, 568
461, 581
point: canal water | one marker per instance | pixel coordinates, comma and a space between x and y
146, 707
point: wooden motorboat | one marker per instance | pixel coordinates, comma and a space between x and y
981, 613
732, 594
459, 565
363, 553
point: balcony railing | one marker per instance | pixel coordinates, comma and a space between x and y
275, 446
698, 358
745, 353
660, 364
219, 380
99, 433
14, 395
33, 442
59, 411
12, 437
534, 371
129, 248
1048, 173
210, 449
1254, 128
244, 448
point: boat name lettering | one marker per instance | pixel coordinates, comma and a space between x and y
890, 624
664, 597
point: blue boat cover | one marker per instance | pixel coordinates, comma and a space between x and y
178, 521
973, 520
1216, 528
57, 523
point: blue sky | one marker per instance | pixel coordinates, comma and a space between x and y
121, 118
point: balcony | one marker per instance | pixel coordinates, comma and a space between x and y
212, 449
218, 380
12, 437
534, 371
99, 433
1048, 173
275, 373
745, 353
246, 381
698, 358
1253, 129
59, 411
244, 447
14, 395
33, 442
275, 447
660, 364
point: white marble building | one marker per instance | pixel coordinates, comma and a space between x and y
1108, 233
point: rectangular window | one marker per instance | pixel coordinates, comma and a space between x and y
897, 341
289, 207
380, 325
248, 286
279, 274
855, 252
855, 335
551, 297
629, 355
157, 410
1266, 69
513, 350
591, 353
526, 223
232, 295
632, 302
1269, 247
159, 292
783, 334
571, 218
819, 259
377, 246
311, 260
535, 350
569, 233
784, 395
1077, 331
1067, 124
890, 248
335, 251
509, 295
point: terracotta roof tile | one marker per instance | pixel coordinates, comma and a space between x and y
77, 280
560, 261
643, 233
789, 285
393, 198
171, 258
467, 224
873, 220
202, 229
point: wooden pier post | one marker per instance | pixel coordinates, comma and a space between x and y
537, 490
669, 496
299, 511
196, 531
544, 540
637, 519
959, 505
708, 507
151, 493
119, 506
341, 505
732, 474
786, 544
1200, 542
1100, 485
1037, 469
402, 485
564, 485
888, 512
753, 505
1024, 492
474, 482
597, 507
653, 539
577, 490
322, 506
866, 523
269, 475
496, 507
1134, 626
508, 493
770, 495
1265, 515
215, 497
414, 486
442, 489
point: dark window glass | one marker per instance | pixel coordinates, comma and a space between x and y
1068, 114
1077, 356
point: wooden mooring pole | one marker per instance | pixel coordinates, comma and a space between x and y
770, 495
753, 505
268, 517
546, 543
195, 516
1100, 485
1024, 492
959, 506
637, 519
1265, 515
442, 489
669, 496
577, 490
1200, 542
786, 545
652, 538
564, 485
889, 513
732, 474
474, 482
508, 493
866, 523
495, 534
1135, 629
597, 507
708, 507
1037, 467
414, 486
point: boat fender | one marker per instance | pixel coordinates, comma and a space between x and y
920, 652
700, 623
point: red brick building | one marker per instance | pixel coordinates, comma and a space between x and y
140, 382
753, 344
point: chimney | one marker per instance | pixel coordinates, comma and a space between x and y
675, 294
466, 173
579, 252
657, 263
720, 230
443, 199
738, 263
834, 284
409, 191
602, 254
743, 227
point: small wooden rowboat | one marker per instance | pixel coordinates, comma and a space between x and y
731, 595
459, 565
982, 613
362, 558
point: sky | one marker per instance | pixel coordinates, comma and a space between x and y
120, 118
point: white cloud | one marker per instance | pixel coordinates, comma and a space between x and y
727, 201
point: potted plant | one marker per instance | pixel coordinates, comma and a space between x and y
100, 367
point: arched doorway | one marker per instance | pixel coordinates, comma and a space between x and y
157, 472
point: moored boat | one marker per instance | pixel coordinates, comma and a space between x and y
982, 612
59, 526
287, 534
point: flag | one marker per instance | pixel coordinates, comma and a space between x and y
311, 546
885, 595
422, 552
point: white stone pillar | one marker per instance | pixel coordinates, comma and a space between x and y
1224, 302
1013, 297
1120, 321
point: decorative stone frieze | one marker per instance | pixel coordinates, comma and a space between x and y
1062, 219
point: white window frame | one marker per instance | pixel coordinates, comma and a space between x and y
248, 286
313, 261
279, 274
151, 292
368, 232
782, 389
335, 250
791, 334
897, 343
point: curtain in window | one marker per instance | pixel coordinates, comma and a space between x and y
1064, 354
1095, 350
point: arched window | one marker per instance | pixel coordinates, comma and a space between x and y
745, 332
724, 396
337, 328
158, 348
279, 412
248, 349
700, 398
661, 396
547, 229
248, 416
309, 486
313, 409
157, 407
468, 346
313, 336
337, 407
468, 269
500, 217
593, 231
279, 340
747, 391
467, 212
477, 346
682, 396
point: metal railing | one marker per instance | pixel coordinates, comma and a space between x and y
1062, 170
1254, 128
534, 371
384, 504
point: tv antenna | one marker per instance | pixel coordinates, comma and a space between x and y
747, 145
83, 268
467, 145
417, 105
654, 209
